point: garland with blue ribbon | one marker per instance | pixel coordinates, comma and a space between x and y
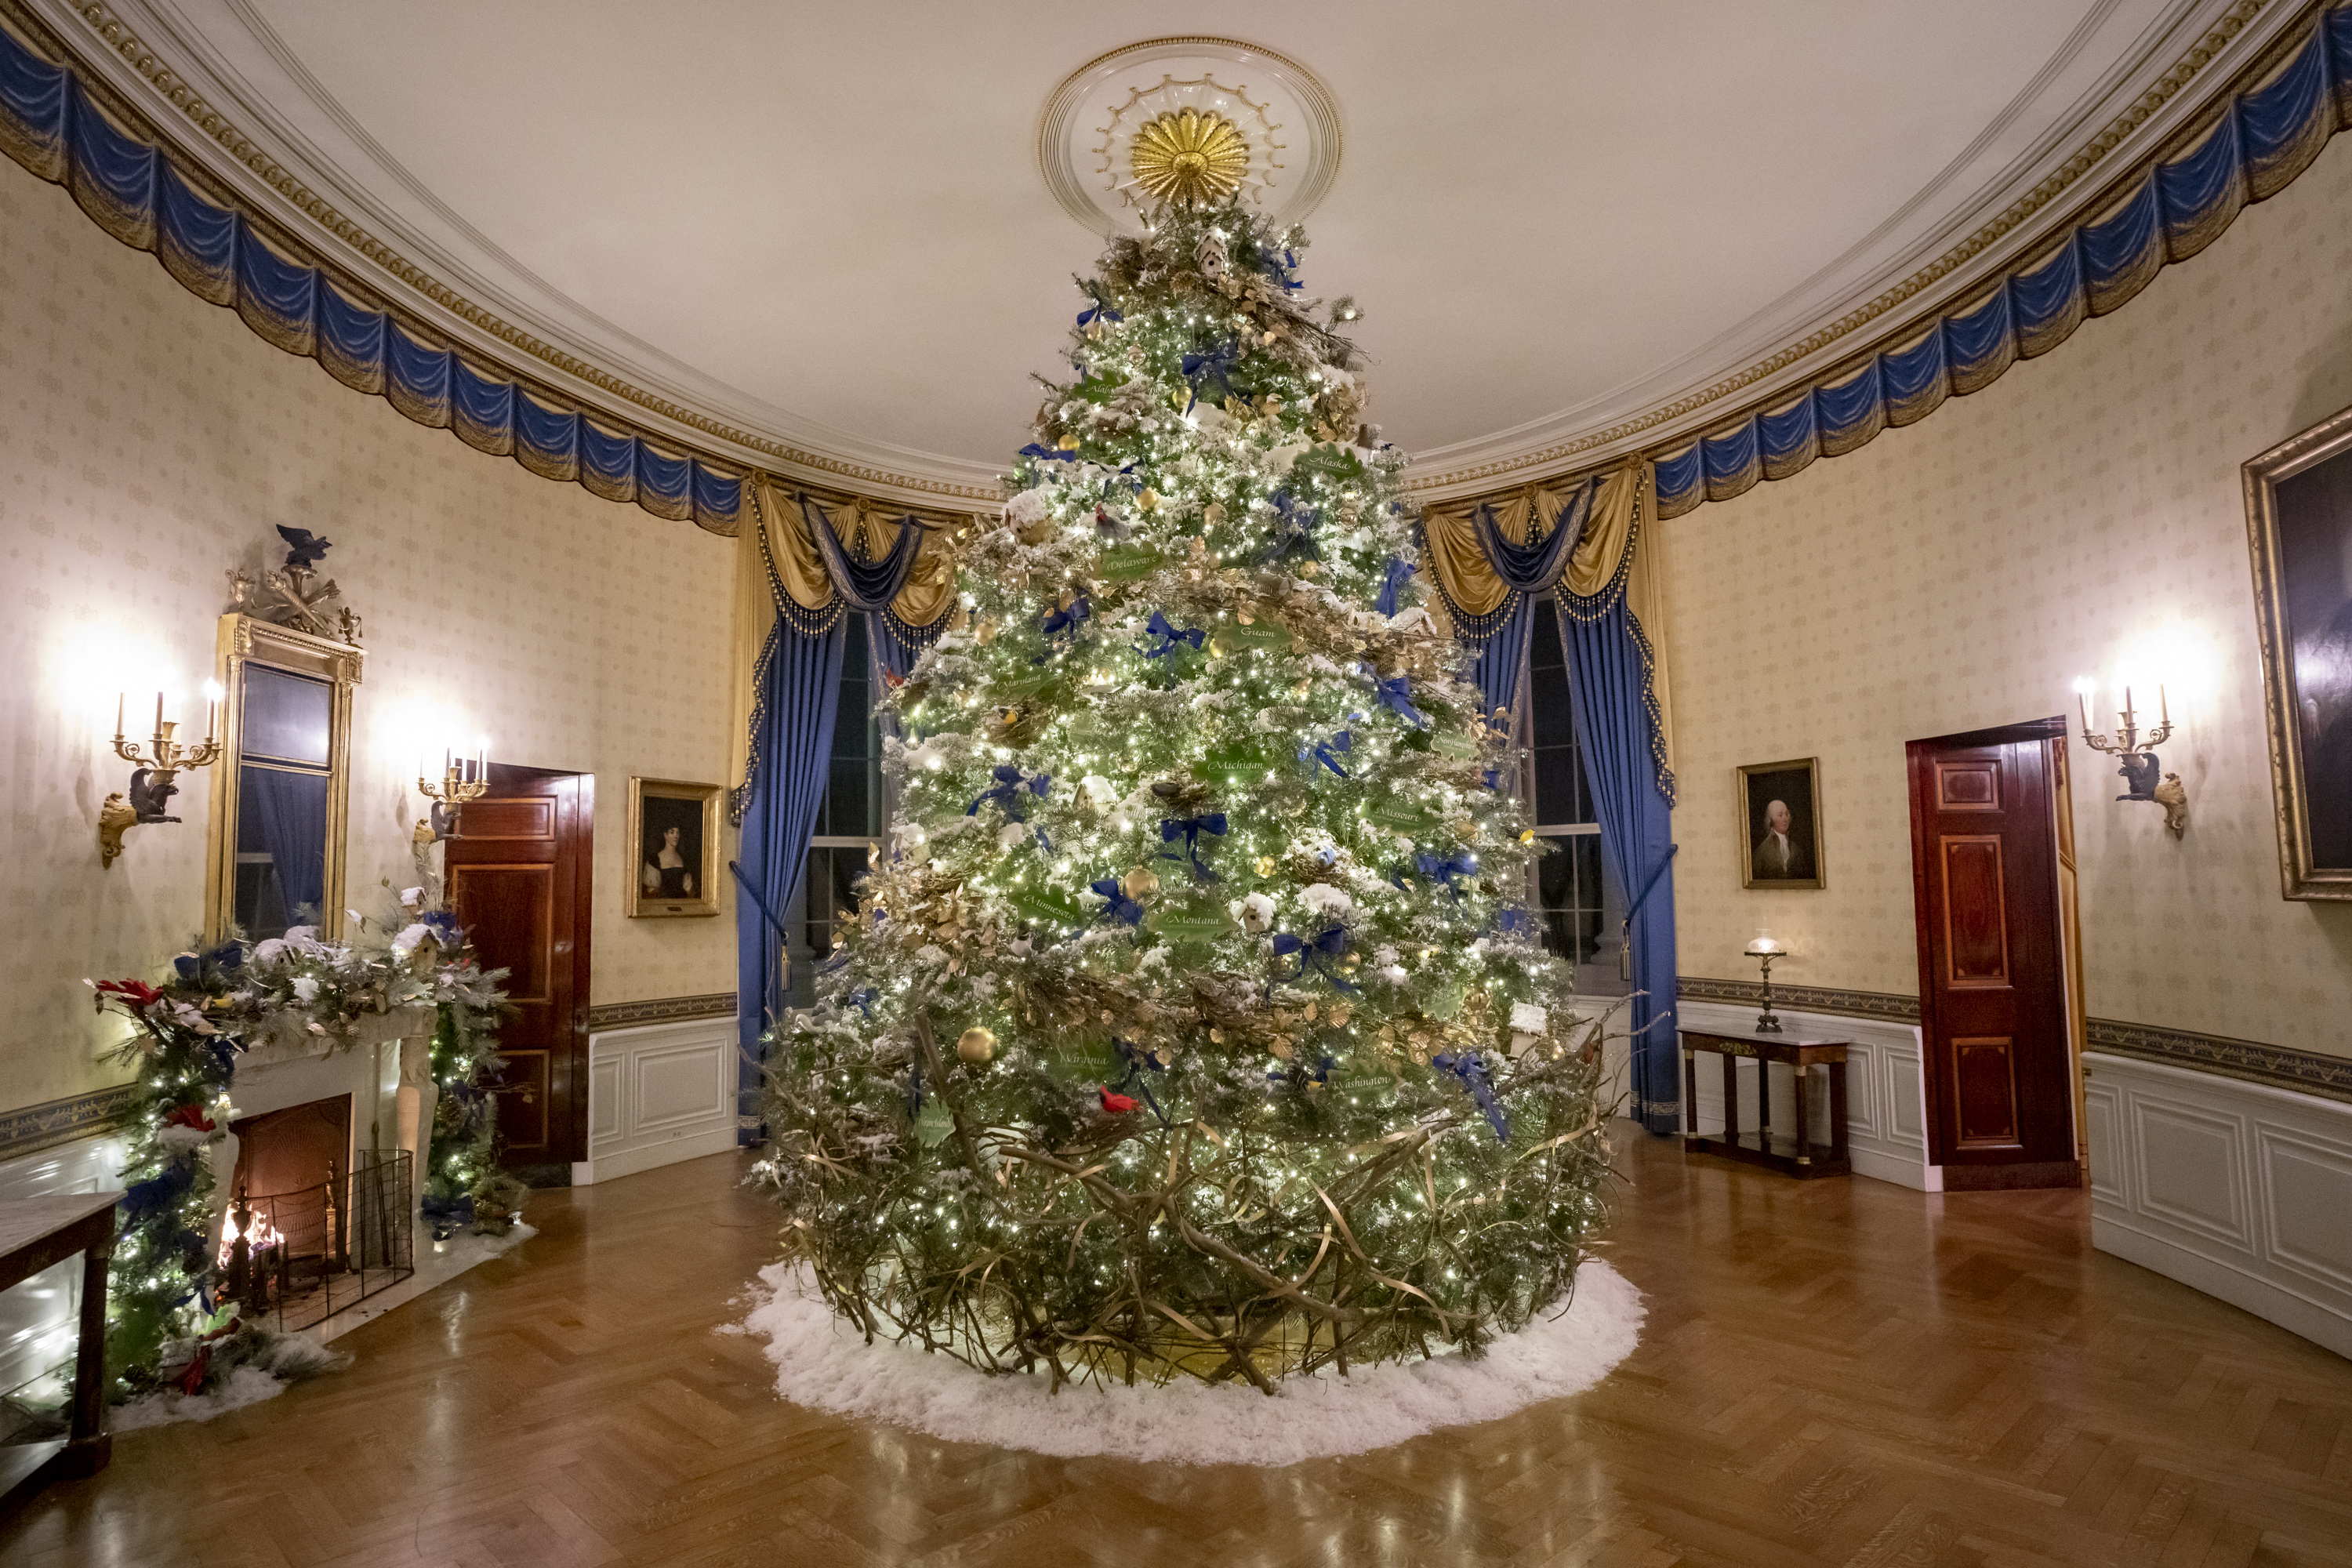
1393, 577
1214, 366
1118, 905
1010, 786
1172, 636
1471, 1068
1321, 953
1190, 829
1320, 752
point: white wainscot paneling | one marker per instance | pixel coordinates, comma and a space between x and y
2240, 1190
1886, 1113
657, 1095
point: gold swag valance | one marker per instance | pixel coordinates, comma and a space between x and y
781, 574
1617, 555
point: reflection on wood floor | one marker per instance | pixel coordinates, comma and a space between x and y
1840, 1371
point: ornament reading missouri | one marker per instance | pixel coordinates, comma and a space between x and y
1189, 158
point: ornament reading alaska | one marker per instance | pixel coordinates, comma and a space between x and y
1186, 123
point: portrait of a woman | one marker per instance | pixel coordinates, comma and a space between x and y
676, 826
667, 873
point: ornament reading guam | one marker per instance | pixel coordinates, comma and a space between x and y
1189, 157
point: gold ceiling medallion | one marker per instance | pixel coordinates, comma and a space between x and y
1189, 158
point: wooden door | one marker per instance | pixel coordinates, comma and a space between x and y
518, 877
2000, 1064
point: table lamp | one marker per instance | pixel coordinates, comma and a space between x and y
1764, 948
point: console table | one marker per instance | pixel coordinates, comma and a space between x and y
36, 1234
1806, 1158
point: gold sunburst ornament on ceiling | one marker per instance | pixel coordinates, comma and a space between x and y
1189, 157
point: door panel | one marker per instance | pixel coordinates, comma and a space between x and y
1984, 1093
518, 875
1993, 1010
1976, 915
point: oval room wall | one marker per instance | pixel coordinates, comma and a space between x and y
149, 443
1962, 573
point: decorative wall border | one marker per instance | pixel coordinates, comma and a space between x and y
1801, 999
661, 1010
2274, 1067
38, 1127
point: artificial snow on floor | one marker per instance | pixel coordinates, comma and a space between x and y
823, 1364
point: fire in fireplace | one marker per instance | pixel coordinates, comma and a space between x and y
313, 1225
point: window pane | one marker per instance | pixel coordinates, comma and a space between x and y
829, 896
1560, 796
1580, 913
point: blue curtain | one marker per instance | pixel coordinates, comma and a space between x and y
1609, 670
799, 690
1606, 666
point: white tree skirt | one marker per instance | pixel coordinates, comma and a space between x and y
825, 1365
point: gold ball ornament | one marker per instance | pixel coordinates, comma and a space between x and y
976, 1044
1140, 883
1149, 500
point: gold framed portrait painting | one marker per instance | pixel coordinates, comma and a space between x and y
2299, 529
674, 827
1781, 825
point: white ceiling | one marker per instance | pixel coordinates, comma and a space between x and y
825, 223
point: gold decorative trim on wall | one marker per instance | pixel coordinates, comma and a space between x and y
661, 1010
2275, 1066
54, 1121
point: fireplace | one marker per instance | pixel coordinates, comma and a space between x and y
314, 1223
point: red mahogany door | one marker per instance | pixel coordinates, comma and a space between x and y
2000, 1066
518, 875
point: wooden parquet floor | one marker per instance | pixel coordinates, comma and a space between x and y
1835, 1372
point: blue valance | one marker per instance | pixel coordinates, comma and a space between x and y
864, 584
2260, 139
50, 124
1534, 566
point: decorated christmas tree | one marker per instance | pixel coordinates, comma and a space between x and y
1192, 1022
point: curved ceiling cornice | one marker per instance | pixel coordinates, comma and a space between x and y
263, 127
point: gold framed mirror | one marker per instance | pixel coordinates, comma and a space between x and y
282, 796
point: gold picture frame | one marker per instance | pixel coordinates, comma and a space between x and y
1788, 852
251, 653
655, 888
2299, 533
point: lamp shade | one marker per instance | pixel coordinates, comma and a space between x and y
1764, 943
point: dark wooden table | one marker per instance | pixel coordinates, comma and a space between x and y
1806, 1158
34, 1234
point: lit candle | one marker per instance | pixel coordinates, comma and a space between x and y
118, 715
158, 713
2083, 704
2163, 709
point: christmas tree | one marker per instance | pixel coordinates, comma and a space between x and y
1192, 1022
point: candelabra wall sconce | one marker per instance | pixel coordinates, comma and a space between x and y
2143, 776
1764, 950
462, 779
148, 799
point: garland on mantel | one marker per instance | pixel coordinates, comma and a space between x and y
167, 1324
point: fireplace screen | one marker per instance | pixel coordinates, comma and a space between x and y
295, 1257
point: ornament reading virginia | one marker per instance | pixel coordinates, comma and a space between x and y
1194, 1022
1189, 158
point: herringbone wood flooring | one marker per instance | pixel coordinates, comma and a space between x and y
1834, 1373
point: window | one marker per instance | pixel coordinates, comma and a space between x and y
1580, 912
849, 819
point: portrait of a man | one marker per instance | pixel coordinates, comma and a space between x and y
1780, 822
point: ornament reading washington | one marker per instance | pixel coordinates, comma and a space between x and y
1193, 1021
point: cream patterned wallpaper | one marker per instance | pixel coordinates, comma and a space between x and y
148, 442
2081, 511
